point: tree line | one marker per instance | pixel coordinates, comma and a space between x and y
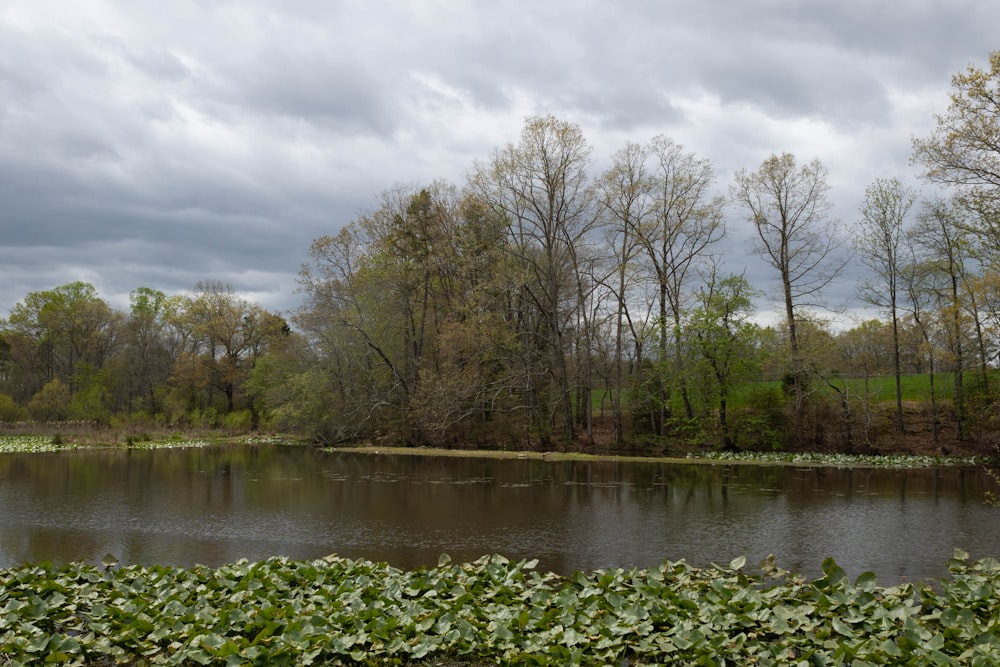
65, 354
541, 303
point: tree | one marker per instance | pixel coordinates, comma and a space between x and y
685, 221
942, 242
920, 283
65, 333
879, 241
624, 193
788, 206
964, 150
541, 186
147, 354
10, 411
406, 314
51, 403
228, 334
725, 339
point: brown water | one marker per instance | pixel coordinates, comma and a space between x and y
216, 505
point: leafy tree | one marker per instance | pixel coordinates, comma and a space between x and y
227, 335
295, 393
686, 221
942, 242
725, 339
148, 354
921, 283
55, 333
91, 400
405, 302
963, 151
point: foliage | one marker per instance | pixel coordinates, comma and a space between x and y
340, 611
11, 412
43, 443
962, 151
726, 341
844, 460
760, 424
51, 403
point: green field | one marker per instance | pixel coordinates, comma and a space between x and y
916, 388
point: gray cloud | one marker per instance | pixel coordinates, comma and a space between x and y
159, 144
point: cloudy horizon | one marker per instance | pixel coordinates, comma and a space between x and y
159, 145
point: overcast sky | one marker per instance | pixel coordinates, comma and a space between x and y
162, 143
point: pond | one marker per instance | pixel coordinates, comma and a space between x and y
219, 504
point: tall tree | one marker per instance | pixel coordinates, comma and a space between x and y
147, 356
405, 311
942, 241
686, 221
541, 185
624, 193
921, 283
788, 207
228, 335
879, 241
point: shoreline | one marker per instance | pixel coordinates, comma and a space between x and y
801, 459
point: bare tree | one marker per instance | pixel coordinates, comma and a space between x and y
624, 195
541, 185
788, 207
685, 221
942, 243
879, 242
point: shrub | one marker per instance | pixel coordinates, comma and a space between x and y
51, 403
10, 411
761, 424
239, 421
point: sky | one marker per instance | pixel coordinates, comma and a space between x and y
159, 144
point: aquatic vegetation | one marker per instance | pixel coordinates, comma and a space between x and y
45, 443
340, 611
30, 443
844, 460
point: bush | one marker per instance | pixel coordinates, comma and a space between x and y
239, 421
51, 403
11, 412
761, 424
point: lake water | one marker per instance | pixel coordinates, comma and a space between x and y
216, 505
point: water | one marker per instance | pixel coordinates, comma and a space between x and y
216, 505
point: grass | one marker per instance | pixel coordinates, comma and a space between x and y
915, 388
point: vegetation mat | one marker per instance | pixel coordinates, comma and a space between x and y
346, 612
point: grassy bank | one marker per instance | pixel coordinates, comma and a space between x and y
338, 611
743, 458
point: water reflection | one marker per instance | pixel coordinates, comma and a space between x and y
215, 505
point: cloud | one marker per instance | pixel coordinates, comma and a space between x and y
159, 144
